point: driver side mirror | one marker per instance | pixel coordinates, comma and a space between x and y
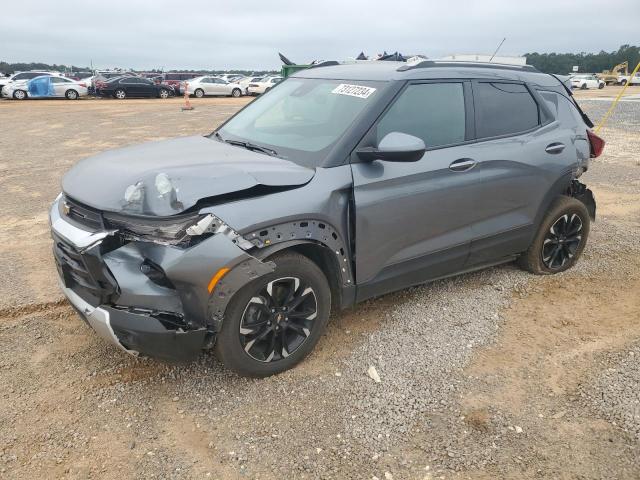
395, 147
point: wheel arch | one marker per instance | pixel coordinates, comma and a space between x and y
560, 187
324, 258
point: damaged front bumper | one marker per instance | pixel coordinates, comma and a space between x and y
168, 314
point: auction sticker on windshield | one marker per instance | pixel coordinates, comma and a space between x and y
353, 90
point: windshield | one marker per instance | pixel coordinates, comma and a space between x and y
301, 118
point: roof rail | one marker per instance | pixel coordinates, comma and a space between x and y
435, 63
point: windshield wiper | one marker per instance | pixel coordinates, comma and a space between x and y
253, 147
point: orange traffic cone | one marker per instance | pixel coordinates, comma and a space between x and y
187, 103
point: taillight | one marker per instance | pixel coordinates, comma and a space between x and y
596, 143
83, 85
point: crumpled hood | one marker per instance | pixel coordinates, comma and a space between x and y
167, 177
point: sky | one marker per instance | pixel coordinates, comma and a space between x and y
248, 34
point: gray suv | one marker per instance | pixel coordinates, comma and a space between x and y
343, 183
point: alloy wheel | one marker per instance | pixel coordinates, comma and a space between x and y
120, 94
562, 241
278, 320
19, 95
164, 93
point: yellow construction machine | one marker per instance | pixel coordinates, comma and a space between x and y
612, 77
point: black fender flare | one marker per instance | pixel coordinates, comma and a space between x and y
269, 240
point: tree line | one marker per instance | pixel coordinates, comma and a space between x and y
563, 63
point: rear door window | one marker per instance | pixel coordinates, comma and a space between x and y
503, 109
434, 112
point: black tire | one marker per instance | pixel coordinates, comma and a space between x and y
71, 95
583, 87
236, 92
164, 93
120, 94
600, 86
199, 93
243, 347
20, 95
623, 82
564, 216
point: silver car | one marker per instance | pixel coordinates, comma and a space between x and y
46, 86
210, 85
24, 76
344, 183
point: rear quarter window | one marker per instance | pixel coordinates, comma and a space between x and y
503, 109
561, 108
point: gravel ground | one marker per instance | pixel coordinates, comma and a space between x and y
492, 374
615, 392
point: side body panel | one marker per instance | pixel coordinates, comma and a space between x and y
412, 219
516, 175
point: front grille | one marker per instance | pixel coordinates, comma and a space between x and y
85, 273
81, 214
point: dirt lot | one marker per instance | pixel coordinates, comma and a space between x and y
496, 374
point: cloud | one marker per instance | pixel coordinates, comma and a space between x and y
225, 34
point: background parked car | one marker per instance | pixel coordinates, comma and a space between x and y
624, 79
177, 79
231, 77
266, 84
46, 86
124, 87
586, 81
210, 85
102, 76
244, 83
18, 76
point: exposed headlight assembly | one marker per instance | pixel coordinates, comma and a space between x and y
179, 230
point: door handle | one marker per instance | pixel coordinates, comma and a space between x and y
556, 147
462, 164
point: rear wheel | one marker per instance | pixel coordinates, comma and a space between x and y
600, 85
583, 86
236, 92
19, 94
164, 93
275, 321
199, 93
71, 95
120, 94
623, 82
560, 240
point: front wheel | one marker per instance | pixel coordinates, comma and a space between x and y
199, 93
120, 94
71, 95
275, 321
600, 86
583, 87
19, 94
164, 93
623, 83
236, 92
560, 239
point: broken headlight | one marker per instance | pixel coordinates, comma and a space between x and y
170, 230
182, 230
